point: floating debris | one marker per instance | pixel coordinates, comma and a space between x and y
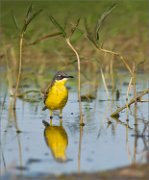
87, 97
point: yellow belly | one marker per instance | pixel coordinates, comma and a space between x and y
57, 98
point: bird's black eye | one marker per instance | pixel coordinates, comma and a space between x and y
59, 77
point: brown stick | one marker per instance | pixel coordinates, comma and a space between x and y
45, 37
133, 100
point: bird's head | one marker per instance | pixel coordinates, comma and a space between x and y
61, 77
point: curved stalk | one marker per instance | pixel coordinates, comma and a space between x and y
79, 79
19, 72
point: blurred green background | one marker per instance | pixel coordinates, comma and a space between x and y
124, 30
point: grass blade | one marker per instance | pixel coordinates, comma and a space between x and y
34, 15
28, 12
15, 21
102, 19
29, 19
73, 29
57, 25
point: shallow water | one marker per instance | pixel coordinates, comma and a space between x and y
103, 143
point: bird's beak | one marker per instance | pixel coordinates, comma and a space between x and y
69, 77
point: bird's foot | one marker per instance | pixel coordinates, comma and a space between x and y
60, 117
51, 117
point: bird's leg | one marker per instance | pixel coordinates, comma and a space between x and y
61, 122
51, 117
60, 114
60, 117
51, 114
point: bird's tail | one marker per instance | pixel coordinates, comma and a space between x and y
46, 124
44, 108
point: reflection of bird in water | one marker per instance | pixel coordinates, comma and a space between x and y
57, 140
56, 95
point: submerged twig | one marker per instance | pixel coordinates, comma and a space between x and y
133, 100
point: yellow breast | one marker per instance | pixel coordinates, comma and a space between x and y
57, 96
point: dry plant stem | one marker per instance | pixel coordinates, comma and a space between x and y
128, 89
121, 57
19, 72
104, 82
111, 73
133, 100
79, 79
45, 37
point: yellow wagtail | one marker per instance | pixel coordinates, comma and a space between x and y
57, 140
56, 95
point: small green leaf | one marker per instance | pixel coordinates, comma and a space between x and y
89, 33
57, 25
102, 19
29, 17
33, 16
73, 29
29, 11
15, 21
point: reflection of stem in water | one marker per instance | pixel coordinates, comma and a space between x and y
127, 143
13, 116
122, 123
136, 131
79, 151
103, 120
2, 108
3, 159
3, 105
20, 151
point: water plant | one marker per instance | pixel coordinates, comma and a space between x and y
30, 15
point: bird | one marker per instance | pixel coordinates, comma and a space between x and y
56, 94
56, 139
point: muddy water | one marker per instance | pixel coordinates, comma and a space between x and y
103, 143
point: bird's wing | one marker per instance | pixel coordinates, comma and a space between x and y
47, 91
45, 96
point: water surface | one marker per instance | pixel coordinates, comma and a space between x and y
103, 143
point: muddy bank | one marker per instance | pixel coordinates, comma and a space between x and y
124, 173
